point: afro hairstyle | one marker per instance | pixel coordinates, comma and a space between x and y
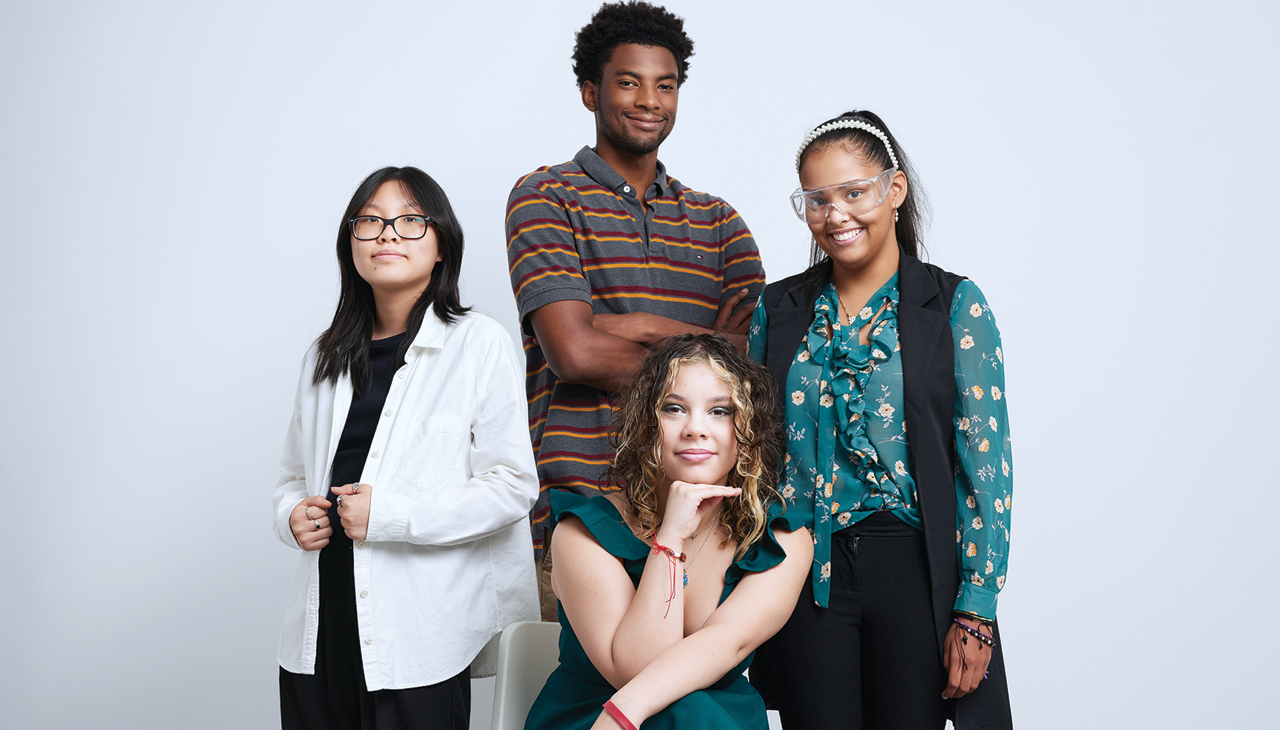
638, 22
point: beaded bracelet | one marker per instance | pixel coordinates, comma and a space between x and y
985, 639
616, 714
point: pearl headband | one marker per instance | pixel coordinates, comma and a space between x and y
845, 124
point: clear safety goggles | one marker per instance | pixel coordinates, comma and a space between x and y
853, 198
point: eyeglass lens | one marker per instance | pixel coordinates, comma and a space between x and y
367, 228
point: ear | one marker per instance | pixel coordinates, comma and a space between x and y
589, 91
898, 188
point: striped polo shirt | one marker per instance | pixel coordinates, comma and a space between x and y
579, 231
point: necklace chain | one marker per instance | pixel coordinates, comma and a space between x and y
704, 542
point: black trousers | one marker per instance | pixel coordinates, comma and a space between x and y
335, 697
871, 659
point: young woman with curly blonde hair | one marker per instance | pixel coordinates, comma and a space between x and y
669, 583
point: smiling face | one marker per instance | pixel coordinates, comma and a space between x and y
635, 102
699, 443
852, 242
390, 263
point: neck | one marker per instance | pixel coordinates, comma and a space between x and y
392, 312
856, 285
638, 170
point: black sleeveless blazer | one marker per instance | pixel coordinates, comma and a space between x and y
925, 293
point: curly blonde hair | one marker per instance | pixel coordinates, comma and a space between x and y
637, 435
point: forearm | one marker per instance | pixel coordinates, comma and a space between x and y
644, 328
693, 663
654, 622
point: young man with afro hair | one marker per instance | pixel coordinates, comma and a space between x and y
609, 254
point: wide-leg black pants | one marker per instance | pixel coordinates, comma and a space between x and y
871, 659
335, 697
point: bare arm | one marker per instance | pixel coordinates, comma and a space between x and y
621, 628
577, 352
647, 329
756, 610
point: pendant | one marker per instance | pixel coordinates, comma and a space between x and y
686, 577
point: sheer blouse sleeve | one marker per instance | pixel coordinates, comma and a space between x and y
984, 480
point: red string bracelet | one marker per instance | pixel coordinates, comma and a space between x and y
671, 558
614, 712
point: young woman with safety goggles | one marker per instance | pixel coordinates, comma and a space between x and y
896, 626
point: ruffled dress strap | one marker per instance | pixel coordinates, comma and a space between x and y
603, 520
764, 554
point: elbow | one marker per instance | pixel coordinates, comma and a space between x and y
574, 367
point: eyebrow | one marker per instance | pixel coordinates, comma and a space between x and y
714, 401
637, 77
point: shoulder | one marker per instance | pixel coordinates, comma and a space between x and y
550, 177
969, 302
698, 200
802, 284
479, 332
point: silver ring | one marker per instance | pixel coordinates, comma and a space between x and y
317, 524
355, 488
307, 512
339, 501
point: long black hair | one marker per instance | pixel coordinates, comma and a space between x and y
344, 347
913, 214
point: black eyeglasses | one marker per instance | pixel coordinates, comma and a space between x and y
369, 227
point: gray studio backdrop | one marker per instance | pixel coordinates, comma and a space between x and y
171, 177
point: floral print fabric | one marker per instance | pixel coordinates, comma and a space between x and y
847, 454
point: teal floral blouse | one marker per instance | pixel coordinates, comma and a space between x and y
847, 440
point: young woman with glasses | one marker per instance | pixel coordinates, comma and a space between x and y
890, 375
668, 584
405, 481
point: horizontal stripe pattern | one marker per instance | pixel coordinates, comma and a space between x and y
576, 232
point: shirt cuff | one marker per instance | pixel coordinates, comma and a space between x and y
976, 600
388, 517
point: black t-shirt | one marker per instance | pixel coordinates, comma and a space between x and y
362, 421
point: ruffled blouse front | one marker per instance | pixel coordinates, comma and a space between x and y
847, 453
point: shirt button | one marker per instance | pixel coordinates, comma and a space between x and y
360, 544
364, 594
374, 455
368, 641
387, 412
400, 374
626, 188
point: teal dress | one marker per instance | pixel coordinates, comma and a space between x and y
575, 692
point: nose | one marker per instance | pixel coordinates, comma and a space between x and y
841, 216
388, 233
695, 426
647, 98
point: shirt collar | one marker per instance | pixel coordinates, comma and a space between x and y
431, 334
597, 169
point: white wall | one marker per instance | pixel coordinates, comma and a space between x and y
171, 176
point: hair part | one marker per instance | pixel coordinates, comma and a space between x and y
637, 436
615, 24
913, 214
343, 349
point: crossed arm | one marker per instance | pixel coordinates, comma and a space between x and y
648, 658
605, 350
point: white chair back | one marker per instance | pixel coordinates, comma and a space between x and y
527, 654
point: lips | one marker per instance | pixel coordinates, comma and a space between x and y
847, 236
695, 455
648, 123
389, 254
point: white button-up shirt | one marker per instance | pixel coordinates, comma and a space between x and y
448, 560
